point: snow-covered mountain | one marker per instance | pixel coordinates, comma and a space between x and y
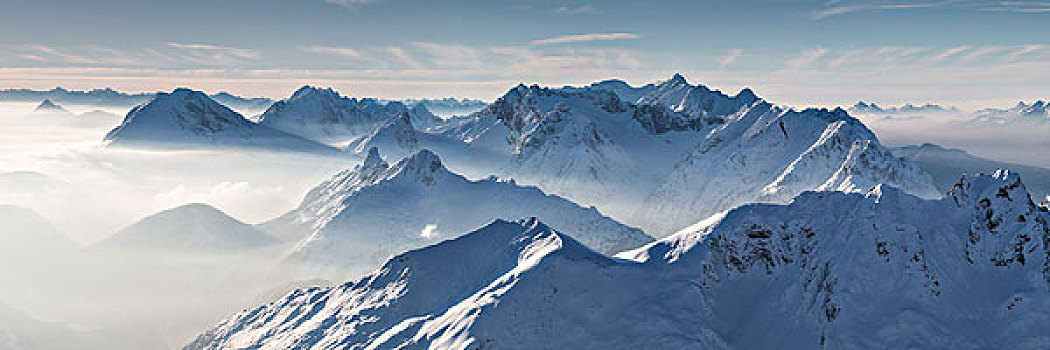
188, 118
396, 137
862, 107
1037, 112
689, 151
882, 269
448, 106
192, 228
363, 216
945, 165
327, 117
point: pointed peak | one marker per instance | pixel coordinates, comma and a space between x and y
677, 79
307, 90
746, 95
421, 166
48, 106
373, 159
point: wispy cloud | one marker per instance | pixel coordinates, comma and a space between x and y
807, 58
576, 10
171, 53
341, 51
1021, 6
730, 58
217, 50
834, 8
915, 57
575, 38
351, 3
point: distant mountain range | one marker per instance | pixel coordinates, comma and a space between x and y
660, 156
945, 165
1037, 112
107, 97
865, 108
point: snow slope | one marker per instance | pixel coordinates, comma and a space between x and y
325, 116
875, 270
688, 151
363, 216
23, 233
192, 228
187, 118
945, 165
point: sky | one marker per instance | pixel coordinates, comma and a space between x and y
964, 53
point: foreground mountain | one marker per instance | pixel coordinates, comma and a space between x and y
835, 270
689, 151
192, 228
363, 216
945, 165
327, 117
187, 118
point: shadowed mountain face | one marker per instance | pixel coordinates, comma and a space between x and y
832, 269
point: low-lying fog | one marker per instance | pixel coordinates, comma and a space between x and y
1021, 143
72, 296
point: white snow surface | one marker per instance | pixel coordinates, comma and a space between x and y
190, 118
664, 156
874, 270
364, 215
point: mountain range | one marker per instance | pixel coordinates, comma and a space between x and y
663, 156
188, 118
881, 269
364, 215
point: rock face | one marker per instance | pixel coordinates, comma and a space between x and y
687, 151
187, 118
363, 216
831, 269
192, 228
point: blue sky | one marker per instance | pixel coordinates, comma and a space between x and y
966, 53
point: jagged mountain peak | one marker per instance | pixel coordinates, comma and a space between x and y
308, 91
373, 159
48, 106
676, 79
423, 166
999, 188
